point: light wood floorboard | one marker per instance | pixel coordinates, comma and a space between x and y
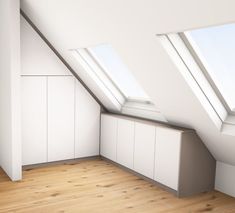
98, 186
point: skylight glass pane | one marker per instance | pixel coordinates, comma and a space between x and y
215, 47
113, 66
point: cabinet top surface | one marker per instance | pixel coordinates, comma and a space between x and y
148, 122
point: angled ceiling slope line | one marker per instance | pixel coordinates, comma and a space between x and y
61, 59
146, 116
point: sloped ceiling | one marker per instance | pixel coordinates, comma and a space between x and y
131, 27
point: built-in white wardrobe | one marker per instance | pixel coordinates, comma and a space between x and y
60, 119
174, 157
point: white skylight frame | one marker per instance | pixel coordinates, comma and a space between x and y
183, 54
118, 73
127, 105
195, 51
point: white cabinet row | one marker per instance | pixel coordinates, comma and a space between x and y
60, 120
133, 145
155, 151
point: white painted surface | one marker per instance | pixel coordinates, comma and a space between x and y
60, 118
225, 176
87, 123
34, 119
167, 157
33, 50
108, 146
125, 143
10, 106
144, 149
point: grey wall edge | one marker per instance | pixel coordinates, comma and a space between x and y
61, 58
197, 166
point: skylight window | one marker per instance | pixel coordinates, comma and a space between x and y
215, 47
108, 70
117, 71
206, 60
113, 82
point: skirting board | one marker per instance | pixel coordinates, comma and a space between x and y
224, 179
141, 176
54, 163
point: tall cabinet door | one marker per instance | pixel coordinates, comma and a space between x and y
108, 146
144, 149
125, 143
61, 117
87, 123
34, 119
167, 157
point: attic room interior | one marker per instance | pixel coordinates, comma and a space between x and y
117, 106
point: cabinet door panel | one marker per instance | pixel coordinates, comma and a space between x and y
144, 149
87, 124
34, 119
167, 157
60, 118
125, 143
109, 137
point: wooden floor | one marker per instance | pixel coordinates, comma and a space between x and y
98, 186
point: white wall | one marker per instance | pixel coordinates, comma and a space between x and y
10, 127
36, 57
225, 176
